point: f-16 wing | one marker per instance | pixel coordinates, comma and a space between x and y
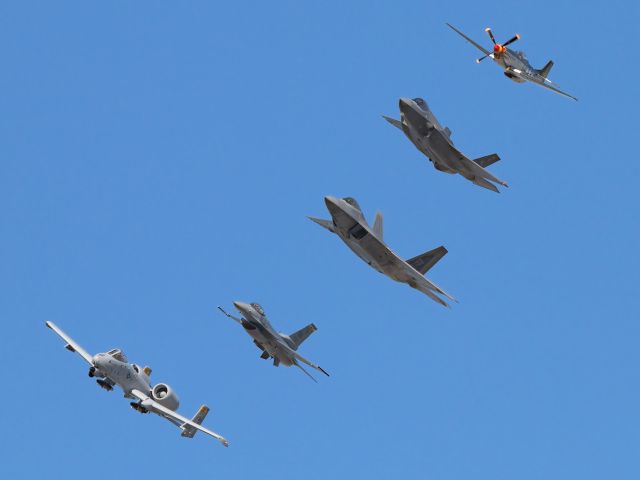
174, 417
71, 344
482, 49
308, 362
543, 83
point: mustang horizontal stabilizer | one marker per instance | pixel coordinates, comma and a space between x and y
487, 160
188, 430
301, 335
423, 263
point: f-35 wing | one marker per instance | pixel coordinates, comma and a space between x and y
71, 344
543, 83
184, 423
482, 49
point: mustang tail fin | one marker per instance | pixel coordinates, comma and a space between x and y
544, 71
189, 431
423, 263
301, 335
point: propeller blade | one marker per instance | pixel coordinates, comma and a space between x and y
488, 30
482, 58
511, 40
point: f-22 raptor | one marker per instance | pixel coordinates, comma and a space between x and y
421, 126
515, 65
279, 346
349, 224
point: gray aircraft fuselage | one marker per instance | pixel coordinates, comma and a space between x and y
349, 223
422, 128
256, 324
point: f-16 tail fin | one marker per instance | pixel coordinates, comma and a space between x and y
394, 122
301, 335
423, 263
377, 226
544, 71
487, 160
188, 430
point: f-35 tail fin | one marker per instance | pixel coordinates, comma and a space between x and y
423, 263
544, 71
188, 430
301, 335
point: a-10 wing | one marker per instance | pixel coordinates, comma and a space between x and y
71, 344
152, 405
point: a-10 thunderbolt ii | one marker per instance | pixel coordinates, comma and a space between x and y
279, 346
112, 368
348, 222
421, 126
514, 64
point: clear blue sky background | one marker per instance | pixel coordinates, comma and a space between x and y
159, 158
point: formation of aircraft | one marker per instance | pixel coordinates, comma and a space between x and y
280, 347
348, 222
421, 126
112, 368
514, 64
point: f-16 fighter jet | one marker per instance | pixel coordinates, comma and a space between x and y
112, 368
515, 64
420, 125
282, 348
349, 224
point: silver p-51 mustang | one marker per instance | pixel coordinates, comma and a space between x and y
515, 65
112, 368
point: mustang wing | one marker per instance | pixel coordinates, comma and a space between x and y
71, 344
543, 83
169, 414
482, 49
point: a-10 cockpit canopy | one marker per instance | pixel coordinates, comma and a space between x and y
118, 355
258, 308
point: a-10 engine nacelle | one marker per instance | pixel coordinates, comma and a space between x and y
166, 397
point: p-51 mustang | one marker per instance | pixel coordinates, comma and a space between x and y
515, 64
282, 348
112, 368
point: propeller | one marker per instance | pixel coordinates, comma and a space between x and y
498, 49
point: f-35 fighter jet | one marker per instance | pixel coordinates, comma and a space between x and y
423, 129
349, 224
112, 368
515, 64
279, 346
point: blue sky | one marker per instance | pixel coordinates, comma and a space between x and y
159, 158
